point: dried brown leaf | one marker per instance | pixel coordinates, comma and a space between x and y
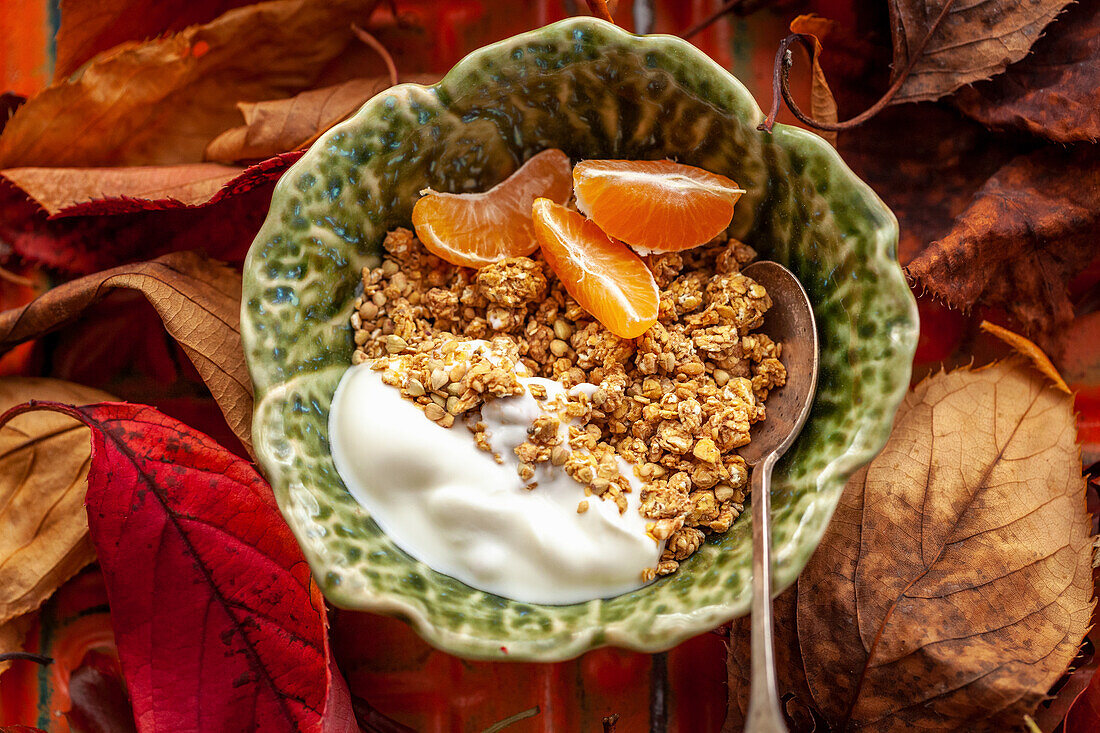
975, 41
280, 125
954, 585
91, 26
931, 178
44, 461
822, 103
160, 102
58, 189
1032, 226
197, 298
1055, 91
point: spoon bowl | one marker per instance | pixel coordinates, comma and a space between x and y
790, 321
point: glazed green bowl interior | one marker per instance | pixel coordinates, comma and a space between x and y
594, 91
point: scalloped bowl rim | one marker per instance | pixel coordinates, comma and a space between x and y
675, 628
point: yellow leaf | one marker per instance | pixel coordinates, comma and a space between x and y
12, 635
1029, 350
44, 460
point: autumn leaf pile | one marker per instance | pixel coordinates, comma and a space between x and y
954, 589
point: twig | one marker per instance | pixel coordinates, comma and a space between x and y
15, 279
781, 81
12, 656
499, 726
374, 43
610, 722
709, 20
600, 10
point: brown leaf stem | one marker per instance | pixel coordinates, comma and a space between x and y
381, 50
512, 720
781, 82
610, 723
600, 10
14, 279
13, 656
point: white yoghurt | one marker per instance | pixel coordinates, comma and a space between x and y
450, 505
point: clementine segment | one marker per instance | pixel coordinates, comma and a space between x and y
602, 274
655, 205
477, 229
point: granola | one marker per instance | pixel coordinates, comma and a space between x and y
675, 403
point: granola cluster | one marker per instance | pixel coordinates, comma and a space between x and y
677, 402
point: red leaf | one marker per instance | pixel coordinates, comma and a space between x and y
1084, 714
211, 600
86, 244
118, 227
131, 189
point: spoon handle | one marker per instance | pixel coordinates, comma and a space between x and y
764, 715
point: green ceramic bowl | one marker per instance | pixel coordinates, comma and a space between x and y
594, 91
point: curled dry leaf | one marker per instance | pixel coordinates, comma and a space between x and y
1055, 91
198, 300
160, 102
954, 585
1031, 227
43, 474
940, 145
1029, 351
218, 622
822, 103
278, 125
973, 42
87, 28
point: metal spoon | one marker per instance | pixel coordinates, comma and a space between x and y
789, 321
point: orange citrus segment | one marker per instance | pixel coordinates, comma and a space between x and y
655, 205
477, 229
603, 275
